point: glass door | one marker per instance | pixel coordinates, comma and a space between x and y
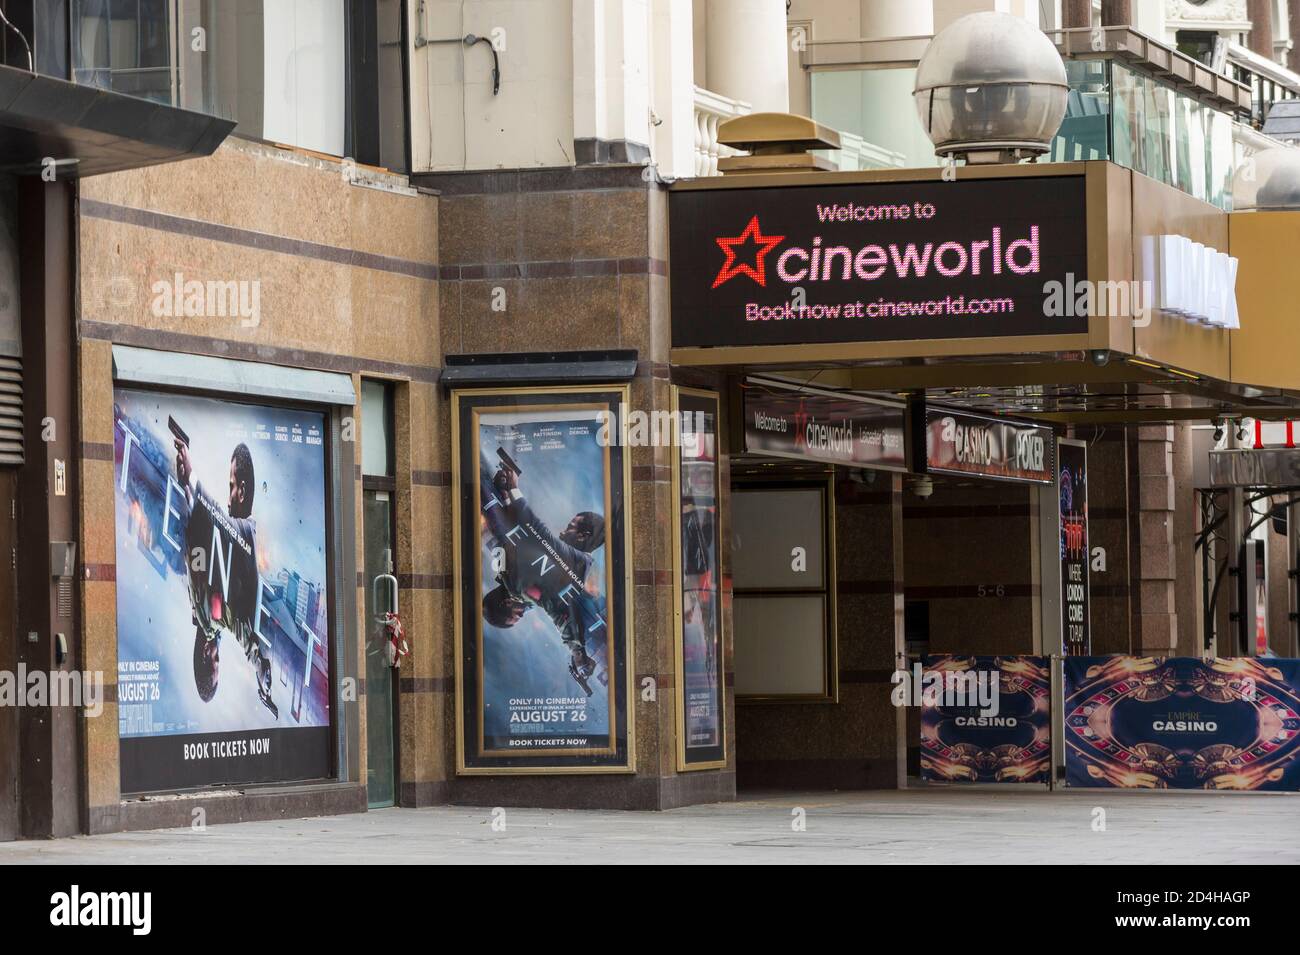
379, 562
381, 775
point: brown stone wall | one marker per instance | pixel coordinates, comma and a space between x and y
347, 278
563, 260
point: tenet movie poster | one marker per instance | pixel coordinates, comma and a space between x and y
222, 612
702, 704
1182, 723
543, 679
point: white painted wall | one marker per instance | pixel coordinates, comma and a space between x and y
456, 122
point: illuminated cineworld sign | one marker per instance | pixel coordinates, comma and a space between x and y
881, 261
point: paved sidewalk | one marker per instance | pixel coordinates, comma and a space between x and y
932, 826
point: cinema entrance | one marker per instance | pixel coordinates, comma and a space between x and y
872, 536
941, 464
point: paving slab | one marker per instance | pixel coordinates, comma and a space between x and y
946, 826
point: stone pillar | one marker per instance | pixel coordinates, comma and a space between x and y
1116, 13
747, 57
1293, 18
1260, 39
1076, 13
1155, 629
611, 81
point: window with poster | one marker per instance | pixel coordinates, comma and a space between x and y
224, 522
783, 605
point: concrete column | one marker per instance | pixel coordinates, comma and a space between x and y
673, 140
1293, 20
747, 53
1154, 576
1076, 13
611, 80
1116, 13
1260, 39
889, 18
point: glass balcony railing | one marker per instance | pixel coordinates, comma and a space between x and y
1115, 111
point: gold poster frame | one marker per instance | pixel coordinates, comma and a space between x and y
620, 617
679, 635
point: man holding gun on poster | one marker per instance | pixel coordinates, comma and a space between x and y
224, 586
541, 569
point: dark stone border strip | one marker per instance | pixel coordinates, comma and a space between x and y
97, 451
551, 269
431, 478
421, 684
262, 241
550, 179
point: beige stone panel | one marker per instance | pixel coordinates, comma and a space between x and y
303, 303
450, 328
280, 192
430, 632
611, 224
657, 223
652, 610
103, 774
550, 314
548, 227
478, 229
423, 746
96, 392
98, 541
394, 224
425, 421
395, 317
634, 314
99, 628
430, 513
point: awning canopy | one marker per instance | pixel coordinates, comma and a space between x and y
249, 379
86, 130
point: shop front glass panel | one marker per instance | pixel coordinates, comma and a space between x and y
380, 763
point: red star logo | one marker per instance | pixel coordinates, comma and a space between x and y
764, 244
801, 426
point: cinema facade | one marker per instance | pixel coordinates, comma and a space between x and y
900, 448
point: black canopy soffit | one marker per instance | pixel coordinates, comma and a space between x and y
87, 130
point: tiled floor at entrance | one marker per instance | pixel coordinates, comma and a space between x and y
945, 826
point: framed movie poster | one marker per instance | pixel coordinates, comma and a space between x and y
223, 636
543, 647
697, 611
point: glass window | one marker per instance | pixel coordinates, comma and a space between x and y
877, 106
376, 428
783, 594
125, 46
